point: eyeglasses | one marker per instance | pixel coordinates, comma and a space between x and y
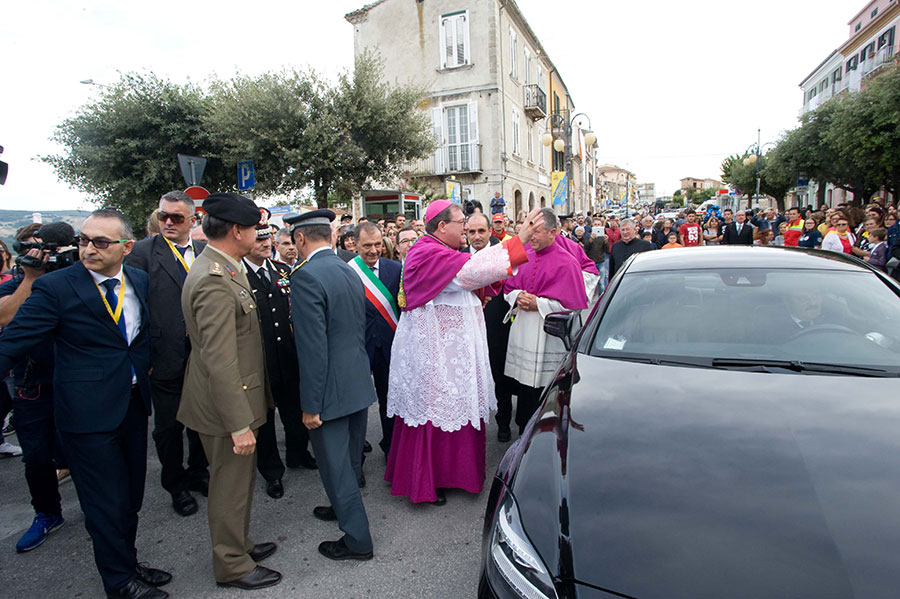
176, 218
100, 244
402, 241
459, 222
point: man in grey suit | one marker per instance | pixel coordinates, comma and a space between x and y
329, 315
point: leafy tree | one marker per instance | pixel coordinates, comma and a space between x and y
301, 132
121, 148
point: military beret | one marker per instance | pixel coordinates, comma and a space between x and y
232, 208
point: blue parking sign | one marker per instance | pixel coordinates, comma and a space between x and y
246, 177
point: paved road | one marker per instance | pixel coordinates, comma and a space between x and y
420, 550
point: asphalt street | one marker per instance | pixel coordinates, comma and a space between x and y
420, 550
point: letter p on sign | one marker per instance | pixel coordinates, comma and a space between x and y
246, 177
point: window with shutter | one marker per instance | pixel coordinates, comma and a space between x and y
454, 36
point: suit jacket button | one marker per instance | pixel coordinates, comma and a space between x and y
277, 338
276, 324
245, 387
273, 309
270, 295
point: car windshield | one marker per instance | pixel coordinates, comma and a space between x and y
754, 318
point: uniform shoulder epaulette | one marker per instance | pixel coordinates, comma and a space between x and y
215, 269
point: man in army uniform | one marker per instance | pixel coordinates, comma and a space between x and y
226, 390
271, 287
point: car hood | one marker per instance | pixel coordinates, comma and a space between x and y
656, 481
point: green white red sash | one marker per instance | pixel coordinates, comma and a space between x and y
377, 293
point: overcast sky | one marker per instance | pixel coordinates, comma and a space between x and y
671, 88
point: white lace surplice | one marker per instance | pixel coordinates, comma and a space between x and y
440, 371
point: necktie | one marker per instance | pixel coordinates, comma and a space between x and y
182, 250
265, 275
113, 302
739, 228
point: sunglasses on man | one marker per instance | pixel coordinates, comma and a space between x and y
100, 244
176, 218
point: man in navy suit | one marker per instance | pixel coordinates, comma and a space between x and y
96, 313
381, 278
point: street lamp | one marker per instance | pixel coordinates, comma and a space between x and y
92, 82
563, 142
755, 153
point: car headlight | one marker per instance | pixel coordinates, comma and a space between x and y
515, 559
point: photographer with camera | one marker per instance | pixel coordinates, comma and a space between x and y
32, 398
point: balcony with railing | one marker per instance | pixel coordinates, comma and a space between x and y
535, 102
447, 160
875, 61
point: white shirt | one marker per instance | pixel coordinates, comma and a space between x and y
131, 309
321, 249
189, 253
256, 268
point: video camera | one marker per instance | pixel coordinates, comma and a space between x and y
57, 240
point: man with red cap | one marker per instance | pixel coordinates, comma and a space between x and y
499, 231
441, 404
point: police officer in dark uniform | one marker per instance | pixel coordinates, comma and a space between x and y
271, 287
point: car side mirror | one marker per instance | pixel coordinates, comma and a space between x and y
559, 324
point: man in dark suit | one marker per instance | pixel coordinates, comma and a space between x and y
329, 316
478, 234
167, 258
381, 278
739, 232
226, 388
271, 288
96, 313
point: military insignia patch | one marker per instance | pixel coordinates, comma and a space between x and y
230, 270
215, 269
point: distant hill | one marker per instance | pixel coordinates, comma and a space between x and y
11, 220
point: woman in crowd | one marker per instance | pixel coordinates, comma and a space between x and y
779, 239
6, 263
840, 239
811, 238
712, 233
387, 249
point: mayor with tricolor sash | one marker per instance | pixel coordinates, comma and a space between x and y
381, 279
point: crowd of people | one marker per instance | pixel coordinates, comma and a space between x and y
193, 325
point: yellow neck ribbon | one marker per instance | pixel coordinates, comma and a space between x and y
118, 313
178, 255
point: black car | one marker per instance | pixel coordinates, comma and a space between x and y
726, 424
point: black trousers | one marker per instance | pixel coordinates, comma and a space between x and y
41, 447
381, 368
268, 460
108, 469
503, 389
528, 401
168, 436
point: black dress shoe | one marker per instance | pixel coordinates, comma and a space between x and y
337, 550
325, 512
200, 485
275, 489
441, 497
367, 447
304, 461
259, 577
261, 551
137, 589
152, 576
184, 503
504, 434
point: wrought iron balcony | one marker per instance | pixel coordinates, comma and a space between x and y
448, 159
535, 102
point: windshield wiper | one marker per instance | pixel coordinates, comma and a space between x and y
698, 363
763, 365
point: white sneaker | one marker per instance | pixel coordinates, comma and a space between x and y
8, 450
